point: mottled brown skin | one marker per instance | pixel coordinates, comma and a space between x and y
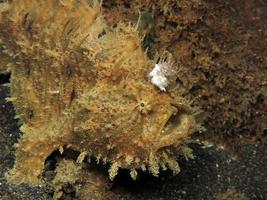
77, 83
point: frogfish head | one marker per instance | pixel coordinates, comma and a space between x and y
133, 125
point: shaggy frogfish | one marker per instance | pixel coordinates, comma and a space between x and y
78, 83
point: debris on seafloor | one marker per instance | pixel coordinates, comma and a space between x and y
82, 182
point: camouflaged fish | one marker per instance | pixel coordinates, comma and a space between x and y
80, 84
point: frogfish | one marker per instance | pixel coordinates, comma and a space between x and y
78, 82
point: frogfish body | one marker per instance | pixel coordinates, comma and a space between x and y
79, 83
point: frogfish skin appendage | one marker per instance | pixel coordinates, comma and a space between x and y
79, 83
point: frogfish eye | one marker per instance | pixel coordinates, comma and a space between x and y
145, 107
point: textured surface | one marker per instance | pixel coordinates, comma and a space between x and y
210, 174
79, 84
222, 46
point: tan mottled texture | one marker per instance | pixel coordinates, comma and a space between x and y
78, 83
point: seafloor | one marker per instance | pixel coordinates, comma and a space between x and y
227, 43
